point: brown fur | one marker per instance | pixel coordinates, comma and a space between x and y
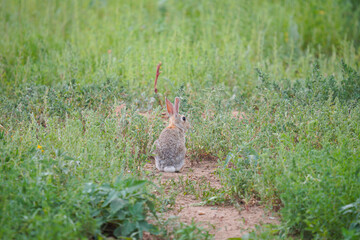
170, 147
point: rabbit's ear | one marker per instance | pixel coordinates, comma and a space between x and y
177, 105
169, 107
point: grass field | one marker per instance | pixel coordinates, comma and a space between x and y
74, 76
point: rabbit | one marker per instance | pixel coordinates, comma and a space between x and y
170, 146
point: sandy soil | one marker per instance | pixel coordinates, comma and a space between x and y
222, 221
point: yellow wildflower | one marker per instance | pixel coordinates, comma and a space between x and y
40, 147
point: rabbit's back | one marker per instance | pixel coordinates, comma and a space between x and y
170, 150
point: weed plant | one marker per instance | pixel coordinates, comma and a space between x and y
121, 209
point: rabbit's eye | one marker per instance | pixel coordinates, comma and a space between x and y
183, 118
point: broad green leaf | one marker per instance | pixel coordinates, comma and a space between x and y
117, 204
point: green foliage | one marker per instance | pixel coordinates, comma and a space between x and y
214, 130
60, 101
191, 232
45, 163
310, 156
39, 196
317, 87
239, 172
353, 209
121, 209
263, 233
318, 192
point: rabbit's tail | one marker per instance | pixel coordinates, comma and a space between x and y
169, 169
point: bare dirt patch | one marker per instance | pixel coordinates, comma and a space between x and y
222, 221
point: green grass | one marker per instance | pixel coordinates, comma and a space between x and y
199, 42
66, 67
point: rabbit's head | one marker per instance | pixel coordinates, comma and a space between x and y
175, 119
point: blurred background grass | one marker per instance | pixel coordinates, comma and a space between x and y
200, 42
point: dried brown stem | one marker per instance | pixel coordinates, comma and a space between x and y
157, 76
